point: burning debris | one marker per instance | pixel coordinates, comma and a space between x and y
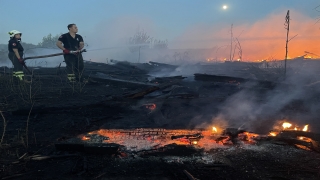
294, 135
286, 126
160, 140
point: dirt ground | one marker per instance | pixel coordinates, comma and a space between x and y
50, 110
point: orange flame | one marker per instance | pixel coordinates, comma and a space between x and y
273, 133
286, 125
84, 138
214, 129
305, 128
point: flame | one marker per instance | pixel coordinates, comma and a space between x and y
214, 129
273, 133
210, 59
306, 139
286, 125
84, 138
251, 134
195, 142
301, 138
305, 128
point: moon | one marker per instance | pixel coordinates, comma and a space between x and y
224, 7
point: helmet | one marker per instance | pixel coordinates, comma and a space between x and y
14, 32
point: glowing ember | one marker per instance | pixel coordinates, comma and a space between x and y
295, 128
214, 129
84, 138
247, 136
272, 133
306, 139
195, 142
286, 125
151, 106
305, 128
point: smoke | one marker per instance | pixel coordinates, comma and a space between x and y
294, 100
44, 62
108, 40
264, 39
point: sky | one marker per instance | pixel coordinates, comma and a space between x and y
257, 24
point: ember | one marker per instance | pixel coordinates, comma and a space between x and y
273, 133
150, 106
151, 139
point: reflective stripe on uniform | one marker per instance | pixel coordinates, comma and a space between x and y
18, 74
72, 77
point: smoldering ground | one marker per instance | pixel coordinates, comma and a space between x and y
295, 100
245, 109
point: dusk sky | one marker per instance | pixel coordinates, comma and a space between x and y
184, 23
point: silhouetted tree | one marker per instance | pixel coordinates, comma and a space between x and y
160, 44
139, 40
49, 41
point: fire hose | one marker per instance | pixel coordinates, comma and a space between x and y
49, 55
71, 52
52, 55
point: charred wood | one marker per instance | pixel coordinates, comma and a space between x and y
229, 79
308, 139
141, 93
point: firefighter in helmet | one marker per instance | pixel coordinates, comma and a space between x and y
16, 54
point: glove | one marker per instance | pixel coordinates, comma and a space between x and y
21, 61
66, 51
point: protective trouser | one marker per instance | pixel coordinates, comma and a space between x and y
17, 66
74, 66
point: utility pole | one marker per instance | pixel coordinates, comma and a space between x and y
287, 27
231, 43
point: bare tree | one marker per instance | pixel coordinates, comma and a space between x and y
160, 44
317, 9
175, 56
239, 48
139, 40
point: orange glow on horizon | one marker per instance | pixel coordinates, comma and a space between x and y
264, 39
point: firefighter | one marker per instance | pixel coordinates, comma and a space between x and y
16, 53
74, 61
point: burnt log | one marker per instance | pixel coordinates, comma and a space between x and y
193, 136
141, 93
167, 79
229, 79
298, 137
162, 64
